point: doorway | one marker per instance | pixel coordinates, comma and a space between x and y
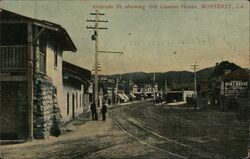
73, 105
9, 111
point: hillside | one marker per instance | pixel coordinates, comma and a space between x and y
175, 79
178, 79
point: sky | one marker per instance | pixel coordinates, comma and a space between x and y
154, 35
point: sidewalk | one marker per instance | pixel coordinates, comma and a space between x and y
90, 127
78, 133
84, 123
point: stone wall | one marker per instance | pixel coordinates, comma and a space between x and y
47, 119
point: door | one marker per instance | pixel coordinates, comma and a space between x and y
9, 110
73, 105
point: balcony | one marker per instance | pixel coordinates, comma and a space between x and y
13, 58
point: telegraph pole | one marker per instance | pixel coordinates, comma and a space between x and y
116, 87
166, 86
94, 37
114, 52
195, 67
154, 87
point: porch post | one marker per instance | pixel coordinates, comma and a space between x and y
30, 82
36, 50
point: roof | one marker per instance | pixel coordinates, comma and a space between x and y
239, 74
222, 67
77, 72
55, 29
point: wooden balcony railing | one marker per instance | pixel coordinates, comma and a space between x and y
13, 57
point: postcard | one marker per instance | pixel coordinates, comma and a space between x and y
124, 79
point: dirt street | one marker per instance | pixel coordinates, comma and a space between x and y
85, 139
173, 131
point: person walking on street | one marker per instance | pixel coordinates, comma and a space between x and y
104, 111
93, 111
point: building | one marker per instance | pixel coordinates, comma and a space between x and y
179, 95
121, 92
235, 91
106, 86
117, 90
31, 82
224, 89
221, 69
110, 87
235, 84
76, 82
204, 95
142, 91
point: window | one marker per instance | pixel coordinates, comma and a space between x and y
56, 53
42, 45
55, 59
42, 62
42, 54
73, 105
80, 97
67, 103
76, 100
83, 100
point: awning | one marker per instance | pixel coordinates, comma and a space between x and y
126, 97
132, 95
121, 96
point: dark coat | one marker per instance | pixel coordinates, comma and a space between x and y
104, 108
93, 107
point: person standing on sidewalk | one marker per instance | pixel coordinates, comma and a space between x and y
93, 111
104, 111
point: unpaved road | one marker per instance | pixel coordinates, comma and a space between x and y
214, 134
210, 133
88, 139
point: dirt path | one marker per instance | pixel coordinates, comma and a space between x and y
209, 131
219, 134
88, 139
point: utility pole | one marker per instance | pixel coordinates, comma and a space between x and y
154, 86
116, 89
194, 67
94, 37
114, 52
166, 86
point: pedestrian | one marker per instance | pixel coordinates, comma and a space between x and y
104, 111
93, 111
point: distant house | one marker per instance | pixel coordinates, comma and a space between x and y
203, 89
149, 90
129, 91
108, 86
119, 88
76, 82
221, 69
235, 84
121, 94
31, 82
137, 89
113, 90
179, 95
235, 91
